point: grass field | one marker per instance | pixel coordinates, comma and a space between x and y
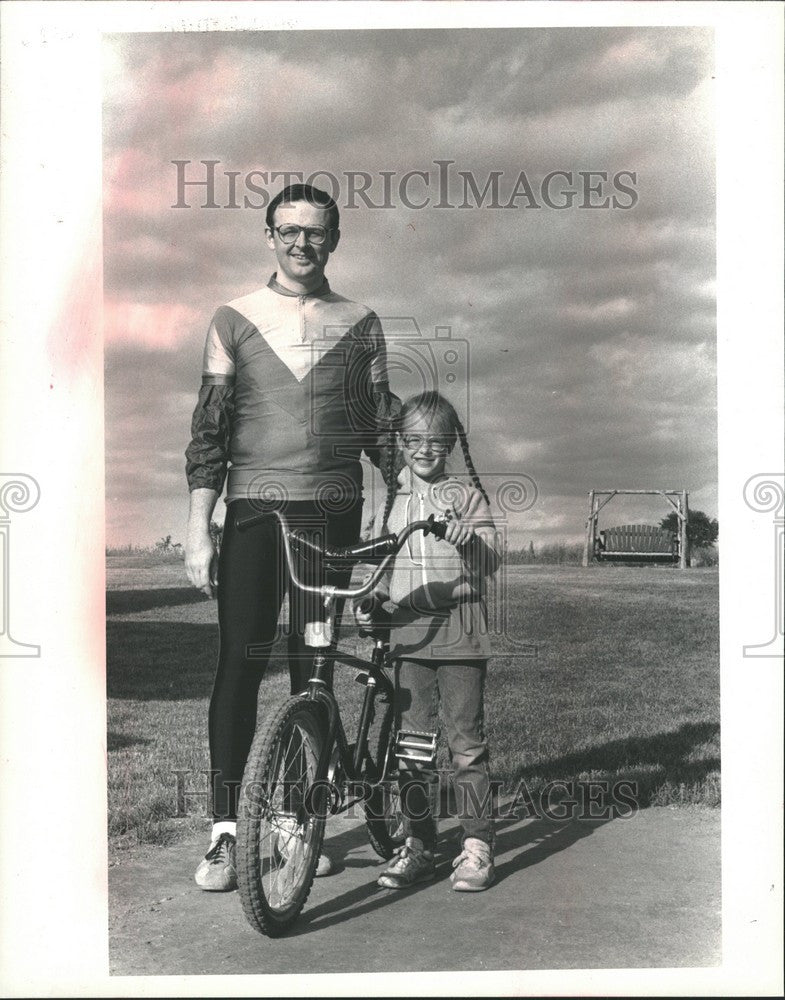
624, 684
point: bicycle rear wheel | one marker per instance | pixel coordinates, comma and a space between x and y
279, 838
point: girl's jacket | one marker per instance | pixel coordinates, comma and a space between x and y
438, 593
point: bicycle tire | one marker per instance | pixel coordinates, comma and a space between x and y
382, 808
278, 841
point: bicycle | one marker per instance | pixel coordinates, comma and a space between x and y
301, 767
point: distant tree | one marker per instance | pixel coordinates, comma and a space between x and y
532, 556
701, 529
216, 533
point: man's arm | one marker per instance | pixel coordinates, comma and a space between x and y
207, 458
201, 559
377, 407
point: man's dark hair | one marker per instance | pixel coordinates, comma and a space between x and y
304, 192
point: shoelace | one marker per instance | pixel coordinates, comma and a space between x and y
404, 853
476, 857
220, 848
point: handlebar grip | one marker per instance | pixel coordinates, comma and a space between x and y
438, 528
373, 551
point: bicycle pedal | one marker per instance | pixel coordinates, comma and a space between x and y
415, 746
362, 678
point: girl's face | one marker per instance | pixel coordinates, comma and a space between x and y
425, 446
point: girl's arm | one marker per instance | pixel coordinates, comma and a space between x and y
477, 541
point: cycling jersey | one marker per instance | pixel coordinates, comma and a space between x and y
294, 388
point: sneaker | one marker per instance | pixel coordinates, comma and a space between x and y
217, 872
290, 840
410, 864
473, 867
325, 866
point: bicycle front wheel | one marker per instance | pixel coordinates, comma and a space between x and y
279, 835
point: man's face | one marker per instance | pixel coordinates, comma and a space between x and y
302, 261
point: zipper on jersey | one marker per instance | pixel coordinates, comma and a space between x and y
421, 561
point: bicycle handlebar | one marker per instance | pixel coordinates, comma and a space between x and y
382, 549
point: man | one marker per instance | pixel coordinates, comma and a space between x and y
294, 387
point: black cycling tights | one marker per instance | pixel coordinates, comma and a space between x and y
252, 581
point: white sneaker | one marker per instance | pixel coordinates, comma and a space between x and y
474, 869
217, 872
290, 841
410, 864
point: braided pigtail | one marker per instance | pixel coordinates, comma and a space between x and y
468, 459
390, 468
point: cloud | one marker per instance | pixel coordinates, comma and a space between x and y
591, 332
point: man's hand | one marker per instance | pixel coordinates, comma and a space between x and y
201, 559
201, 563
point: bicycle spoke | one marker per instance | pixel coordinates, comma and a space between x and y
293, 770
279, 838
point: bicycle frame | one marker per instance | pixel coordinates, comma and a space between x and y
319, 689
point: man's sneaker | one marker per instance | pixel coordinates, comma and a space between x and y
217, 872
290, 841
410, 864
473, 867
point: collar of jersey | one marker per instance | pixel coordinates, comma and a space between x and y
320, 293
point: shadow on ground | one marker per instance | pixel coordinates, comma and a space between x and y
161, 661
645, 761
120, 741
123, 602
531, 843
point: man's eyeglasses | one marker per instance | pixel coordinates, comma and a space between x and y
413, 442
313, 234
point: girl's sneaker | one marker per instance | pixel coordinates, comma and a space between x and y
473, 867
411, 864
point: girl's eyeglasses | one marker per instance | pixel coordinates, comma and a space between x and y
413, 442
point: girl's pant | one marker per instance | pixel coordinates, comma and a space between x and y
252, 581
459, 687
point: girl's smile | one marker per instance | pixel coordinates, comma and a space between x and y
425, 452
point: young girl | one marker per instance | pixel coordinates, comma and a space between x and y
439, 637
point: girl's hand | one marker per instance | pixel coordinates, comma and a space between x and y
363, 612
458, 533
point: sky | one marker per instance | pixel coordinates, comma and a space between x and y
583, 338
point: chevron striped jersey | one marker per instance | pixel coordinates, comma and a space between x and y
294, 388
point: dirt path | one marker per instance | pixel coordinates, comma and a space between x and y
631, 893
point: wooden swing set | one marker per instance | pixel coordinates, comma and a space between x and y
637, 543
